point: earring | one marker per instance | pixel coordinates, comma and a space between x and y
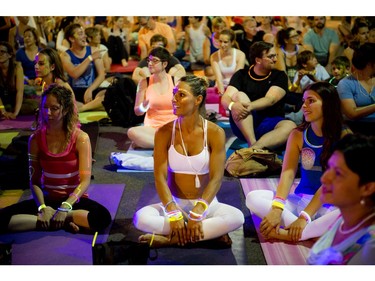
362, 202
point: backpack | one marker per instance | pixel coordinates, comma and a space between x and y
119, 102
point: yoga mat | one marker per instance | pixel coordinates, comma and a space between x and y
21, 122
6, 138
132, 64
92, 116
230, 193
61, 247
9, 197
278, 252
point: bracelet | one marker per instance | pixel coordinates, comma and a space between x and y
175, 215
75, 195
64, 210
142, 108
196, 217
306, 216
90, 58
278, 204
203, 202
69, 205
170, 202
230, 105
41, 207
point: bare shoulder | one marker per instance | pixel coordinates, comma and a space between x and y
82, 136
214, 130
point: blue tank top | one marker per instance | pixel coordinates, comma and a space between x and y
88, 77
311, 169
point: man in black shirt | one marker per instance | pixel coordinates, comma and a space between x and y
255, 100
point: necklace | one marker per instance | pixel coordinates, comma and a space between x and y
291, 54
197, 181
258, 79
354, 228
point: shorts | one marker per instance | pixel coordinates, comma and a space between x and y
262, 125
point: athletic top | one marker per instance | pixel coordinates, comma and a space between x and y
60, 171
193, 165
311, 169
227, 70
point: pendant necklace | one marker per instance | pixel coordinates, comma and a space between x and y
197, 181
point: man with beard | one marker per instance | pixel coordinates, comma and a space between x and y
254, 98
323, 41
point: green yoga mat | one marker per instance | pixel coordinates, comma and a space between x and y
92, 116
6, 138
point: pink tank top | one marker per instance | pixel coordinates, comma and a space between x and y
161, 110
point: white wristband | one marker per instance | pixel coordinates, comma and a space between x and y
142, 108
230, 105
90, 58
306, 216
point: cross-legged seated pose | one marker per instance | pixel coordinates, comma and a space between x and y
60, 173
311, 142
189, 158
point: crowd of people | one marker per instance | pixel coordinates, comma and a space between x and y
304, 88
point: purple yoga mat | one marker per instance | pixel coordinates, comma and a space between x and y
61, 247
21, 122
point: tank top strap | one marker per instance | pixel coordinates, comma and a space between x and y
205, 132
173, 132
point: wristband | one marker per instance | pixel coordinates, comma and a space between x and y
142, 108
90, 58
63, 210
306, 216
278, 204
170, 202
203, 202
2, 106
230, 105
41, 207
69, 205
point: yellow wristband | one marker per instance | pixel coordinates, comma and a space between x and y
41, 207
2, 106
90, 58
278, 205
230, 105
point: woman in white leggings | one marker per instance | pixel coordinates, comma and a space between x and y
310, 142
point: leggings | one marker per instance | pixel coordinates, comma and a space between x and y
260, 202
221, 218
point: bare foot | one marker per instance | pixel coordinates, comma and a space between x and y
124, 63
154, 240
72, 227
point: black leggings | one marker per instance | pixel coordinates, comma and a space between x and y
98, 217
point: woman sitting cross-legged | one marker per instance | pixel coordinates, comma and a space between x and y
311, 143
189, 158
60, 173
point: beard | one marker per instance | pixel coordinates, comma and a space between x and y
320, 25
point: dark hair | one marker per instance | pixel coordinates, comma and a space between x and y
9, 82
35, 34
69, 30
198, 86
363, 56
258, 49
54, 58
159, 38
303, 58
359, 154
341, 61
161, 53
283, 35
332, 117
66, 99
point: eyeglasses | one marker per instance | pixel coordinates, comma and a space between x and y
272, 57
153, 61
2, 52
